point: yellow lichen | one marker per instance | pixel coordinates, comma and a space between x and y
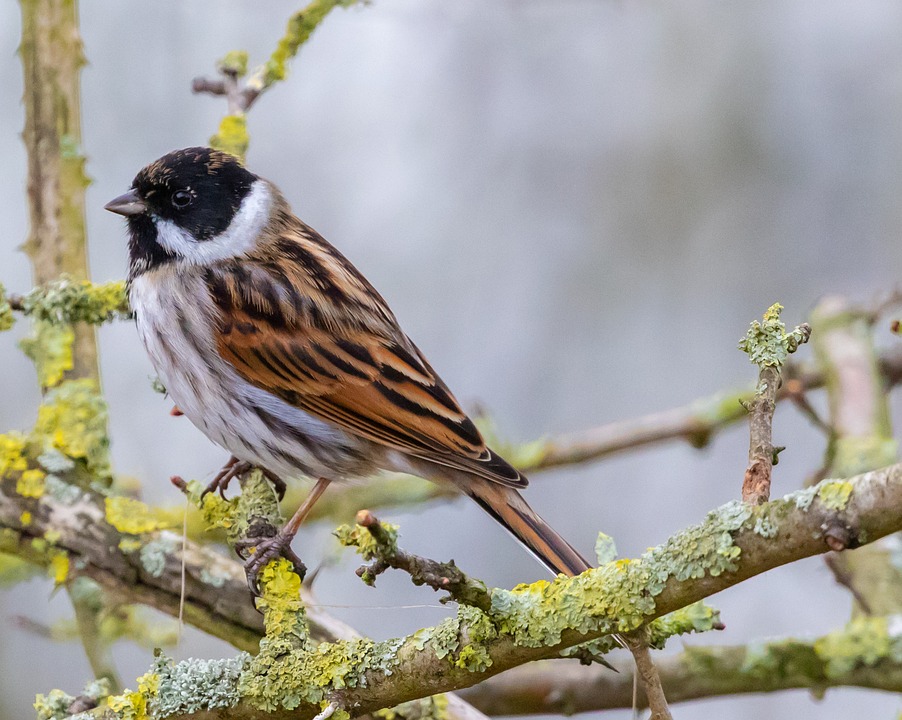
25, 518
132, 516
835, 494
73, 420
31, 483
12, 458
59, 567
232, 136
133, 704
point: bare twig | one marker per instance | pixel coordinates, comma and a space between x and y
637, 642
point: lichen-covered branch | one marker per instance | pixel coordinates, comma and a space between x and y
52, 58
133, 554
378, 543
537, 621
864, 654
861, 439
768, 345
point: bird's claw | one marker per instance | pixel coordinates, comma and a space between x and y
267, 544
235, 468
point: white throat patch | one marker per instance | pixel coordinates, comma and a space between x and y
238, 238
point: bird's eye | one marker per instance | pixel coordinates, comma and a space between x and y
181, 199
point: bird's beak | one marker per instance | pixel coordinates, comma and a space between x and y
127, 204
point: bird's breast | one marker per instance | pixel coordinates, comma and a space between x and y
176, 320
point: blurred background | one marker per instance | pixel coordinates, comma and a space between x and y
575, 208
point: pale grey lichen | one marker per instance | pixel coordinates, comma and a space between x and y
153, 555
53, 461
803, 498
61, 490
192, 685
211, 579
765, 527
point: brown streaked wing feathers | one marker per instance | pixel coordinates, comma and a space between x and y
312, 331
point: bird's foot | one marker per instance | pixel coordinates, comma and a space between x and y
267, 544
235, 468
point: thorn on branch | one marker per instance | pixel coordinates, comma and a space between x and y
378, 543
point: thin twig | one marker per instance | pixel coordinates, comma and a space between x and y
768, 345
384, 553
637, 643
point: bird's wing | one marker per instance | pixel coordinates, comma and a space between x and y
299, 321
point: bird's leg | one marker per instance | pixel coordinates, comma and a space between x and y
235, 467
278, 545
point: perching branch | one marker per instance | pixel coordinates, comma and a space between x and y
733, 544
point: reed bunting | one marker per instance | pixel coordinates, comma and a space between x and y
276, 347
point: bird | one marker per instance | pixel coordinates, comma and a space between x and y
280, 351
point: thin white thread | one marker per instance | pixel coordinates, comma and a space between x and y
184, 574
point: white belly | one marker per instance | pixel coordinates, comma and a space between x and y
175, 318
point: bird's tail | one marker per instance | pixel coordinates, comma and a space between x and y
509, 508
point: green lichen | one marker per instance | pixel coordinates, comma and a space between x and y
50, 348
67, 301
365, 542
132, 517
537, 615
461, 639
862, 643
54, 705
290, 669
431, 708
232, 136
605, 549
834, 494
73, 420
300, 26
696, 618
234, 63
7, 319
767, 343
803, 498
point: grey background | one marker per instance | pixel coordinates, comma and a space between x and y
575, 208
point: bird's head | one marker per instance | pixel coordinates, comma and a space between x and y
195, 205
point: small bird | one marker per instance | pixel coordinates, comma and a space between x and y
279, 350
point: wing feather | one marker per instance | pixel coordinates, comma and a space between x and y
304, 325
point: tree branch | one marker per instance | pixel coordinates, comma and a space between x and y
734, 543
865, 654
